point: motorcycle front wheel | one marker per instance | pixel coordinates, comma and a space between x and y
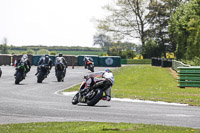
91, 68
40, 77
96, 97
18, 78
75, 99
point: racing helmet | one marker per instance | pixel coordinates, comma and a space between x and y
108, 70
60, 55
46, 56
25, 56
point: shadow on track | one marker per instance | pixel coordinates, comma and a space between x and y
96, 106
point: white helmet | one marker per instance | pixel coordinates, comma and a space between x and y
25, 57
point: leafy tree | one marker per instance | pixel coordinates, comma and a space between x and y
53, 52
185, 27
160, 12
4, 47
127, 19
117, 50
30, 51
42, 52
128, 53
103, 41
151, 49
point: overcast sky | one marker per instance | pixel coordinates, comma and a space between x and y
49, 22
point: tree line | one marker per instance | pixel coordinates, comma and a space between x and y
52, 50
161, 26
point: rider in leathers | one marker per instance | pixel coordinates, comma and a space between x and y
45, 60
27, 64
86, 60
104, 79
62, 60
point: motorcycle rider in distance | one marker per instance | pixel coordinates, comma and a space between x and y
104, 79
61, 59
86, 60
45, 60
26, 62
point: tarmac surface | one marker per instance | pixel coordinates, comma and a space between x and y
42, 102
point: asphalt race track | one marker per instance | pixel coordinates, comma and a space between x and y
34, 102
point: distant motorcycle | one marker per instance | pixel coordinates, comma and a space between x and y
42, 73
20, 73
60, 71
90, 65
89, 96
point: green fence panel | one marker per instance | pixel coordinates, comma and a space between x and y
188, 76
110, 61
94, 57
37, 57
123, 61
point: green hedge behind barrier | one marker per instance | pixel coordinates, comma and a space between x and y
132, 61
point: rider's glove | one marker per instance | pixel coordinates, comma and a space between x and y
86, 77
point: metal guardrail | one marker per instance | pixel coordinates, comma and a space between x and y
176, 64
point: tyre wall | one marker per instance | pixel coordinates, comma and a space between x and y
5, 59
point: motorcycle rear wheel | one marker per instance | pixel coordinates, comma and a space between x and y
59, 76
96, 98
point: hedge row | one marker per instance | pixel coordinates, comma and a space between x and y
132, 61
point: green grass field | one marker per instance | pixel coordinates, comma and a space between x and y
91, 127
146, 82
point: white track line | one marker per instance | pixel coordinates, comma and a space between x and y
131, 100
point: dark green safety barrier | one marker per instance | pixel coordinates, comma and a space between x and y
110, 61
94, 57
123, 61
37, 57
103, 61
189, 77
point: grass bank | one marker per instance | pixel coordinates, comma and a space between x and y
146, 82
90, 127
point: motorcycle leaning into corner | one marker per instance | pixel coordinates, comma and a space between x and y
43, 71
20, 72
90, 96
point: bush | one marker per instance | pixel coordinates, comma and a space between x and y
42, 52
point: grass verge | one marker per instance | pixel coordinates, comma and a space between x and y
146, 82
90, 127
